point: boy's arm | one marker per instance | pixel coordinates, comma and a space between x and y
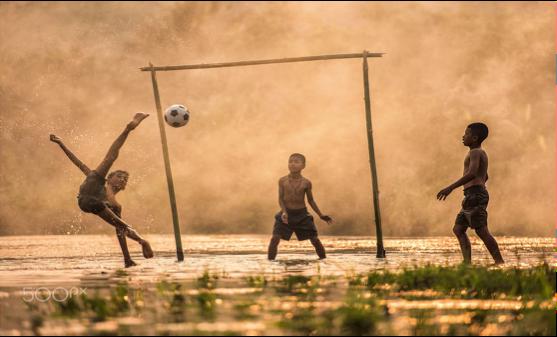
281, 197
473, 168
283, 214
313, 205
73, 158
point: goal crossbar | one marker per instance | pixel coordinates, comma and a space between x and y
259, 62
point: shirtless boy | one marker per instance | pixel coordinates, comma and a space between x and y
474, 206
293, 216
94, 196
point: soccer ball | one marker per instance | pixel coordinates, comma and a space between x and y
177, 115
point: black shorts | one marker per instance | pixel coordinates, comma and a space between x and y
474, 208
299, 222
92, 194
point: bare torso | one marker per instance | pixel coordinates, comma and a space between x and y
294, 191
482, 175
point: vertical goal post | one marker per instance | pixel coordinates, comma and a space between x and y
369, 132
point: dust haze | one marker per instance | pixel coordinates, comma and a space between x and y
72, 69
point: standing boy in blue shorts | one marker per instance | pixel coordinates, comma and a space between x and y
474, 206
293, 216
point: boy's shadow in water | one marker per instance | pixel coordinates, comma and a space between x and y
297, 264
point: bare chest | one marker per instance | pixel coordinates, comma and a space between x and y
294, 188
483, 162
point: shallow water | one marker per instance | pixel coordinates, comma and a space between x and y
163, 297
72, 259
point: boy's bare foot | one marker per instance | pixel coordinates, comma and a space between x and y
147, 251
130, 263
137, 119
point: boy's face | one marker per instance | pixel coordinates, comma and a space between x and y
295, 164
119, 181
469, 139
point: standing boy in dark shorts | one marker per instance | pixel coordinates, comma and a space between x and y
474, 206
95, 198
293, 216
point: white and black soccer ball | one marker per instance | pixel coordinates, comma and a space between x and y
177, 115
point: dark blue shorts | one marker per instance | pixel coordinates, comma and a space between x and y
90, 204
299, 222
92, 194
474, 208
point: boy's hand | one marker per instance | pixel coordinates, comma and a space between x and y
444, 193
327, 219
284, 217
55, 139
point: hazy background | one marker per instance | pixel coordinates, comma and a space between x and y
72, 69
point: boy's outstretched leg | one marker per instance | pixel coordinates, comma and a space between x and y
273, 247
109, 216
319, 249
114, 149
465, 247
490, 243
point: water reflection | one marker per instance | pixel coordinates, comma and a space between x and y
226, 286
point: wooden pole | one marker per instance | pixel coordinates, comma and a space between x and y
378, 230
259, 62
170, 182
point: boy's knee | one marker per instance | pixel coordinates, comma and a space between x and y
459, 230
483, 232
121, 230
275, 240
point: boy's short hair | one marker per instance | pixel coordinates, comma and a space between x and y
479, 130
298, 155
111, 174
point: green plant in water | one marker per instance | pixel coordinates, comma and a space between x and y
173, 299
476, 282
120, 298
257, 281
359, 315
423, 326
206, 302
207, 281
68, 308
98, 306
301, 286
294, 281
301, 320
242, 310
